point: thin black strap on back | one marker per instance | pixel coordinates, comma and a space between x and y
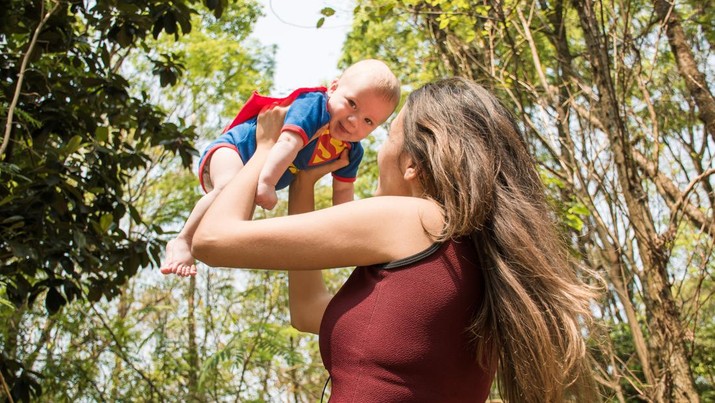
324, 387
412, 259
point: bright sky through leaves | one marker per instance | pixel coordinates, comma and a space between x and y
306, 55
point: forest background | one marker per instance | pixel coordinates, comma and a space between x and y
104, 105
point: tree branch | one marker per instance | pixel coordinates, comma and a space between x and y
695, 80
121, 354
5, 388
672, 194
21, 78
682, 200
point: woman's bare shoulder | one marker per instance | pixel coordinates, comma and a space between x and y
426, 211
410, 220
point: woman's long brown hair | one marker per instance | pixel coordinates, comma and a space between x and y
473, 161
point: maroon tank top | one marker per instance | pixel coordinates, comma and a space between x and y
397, 332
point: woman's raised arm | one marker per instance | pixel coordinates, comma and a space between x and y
364, 232
307, 295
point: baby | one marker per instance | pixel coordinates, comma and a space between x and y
320, 124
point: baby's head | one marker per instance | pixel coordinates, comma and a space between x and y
361, 99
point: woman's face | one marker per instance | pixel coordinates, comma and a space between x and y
392, 162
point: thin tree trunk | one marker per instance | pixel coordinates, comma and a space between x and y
13, 328
265, 396
615, 272
667, 349
193, 352
41, 342
293, 374
687, 66
613, 264
21, 75
122, 311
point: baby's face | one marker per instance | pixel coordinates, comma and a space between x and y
356, 108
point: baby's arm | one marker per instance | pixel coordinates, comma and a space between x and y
279, 159
343, 192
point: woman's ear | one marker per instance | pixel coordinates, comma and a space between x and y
410, 172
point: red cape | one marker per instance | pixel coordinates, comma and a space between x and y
256, 102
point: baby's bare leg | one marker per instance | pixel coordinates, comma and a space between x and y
223, 166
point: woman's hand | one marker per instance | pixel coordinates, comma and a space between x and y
269, 124
309, 177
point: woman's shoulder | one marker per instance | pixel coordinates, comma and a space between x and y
428, 209
414, 215
358, 233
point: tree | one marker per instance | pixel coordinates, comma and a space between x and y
98, 349
74, 134
620, 124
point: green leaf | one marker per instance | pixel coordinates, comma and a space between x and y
95, 293
579, 209
106, 221
134, 213
320, 23
101, 134
327, 11
7, 303
71, 146
574, 222
80, 240
12, 219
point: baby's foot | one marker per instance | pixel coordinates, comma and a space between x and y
185, 271
178, 258
266, 196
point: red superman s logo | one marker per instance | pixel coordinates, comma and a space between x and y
326, 149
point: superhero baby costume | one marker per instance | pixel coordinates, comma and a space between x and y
307, 116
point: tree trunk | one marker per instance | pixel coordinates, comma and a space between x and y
615, 272
668, 353
613, 264
614, 268
687, 66
13, 328
193, 353
122, 311
293, 374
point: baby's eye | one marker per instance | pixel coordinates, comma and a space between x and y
368, 121
352, 103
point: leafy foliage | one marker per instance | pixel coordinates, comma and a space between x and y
78, 135
77, 138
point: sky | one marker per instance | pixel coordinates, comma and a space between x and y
305, 56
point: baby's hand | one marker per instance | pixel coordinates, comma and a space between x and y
266, 196
270, 122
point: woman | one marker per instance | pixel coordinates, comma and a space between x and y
461, 272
